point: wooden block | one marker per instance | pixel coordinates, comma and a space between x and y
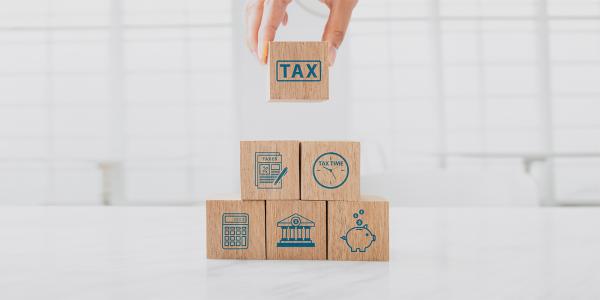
358, 230
235, 229
296, 230
270, 170
298, 71
330, 170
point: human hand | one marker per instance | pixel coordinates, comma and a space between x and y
263, 18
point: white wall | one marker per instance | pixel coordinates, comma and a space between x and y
450, 99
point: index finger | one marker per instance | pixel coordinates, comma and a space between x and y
274, 14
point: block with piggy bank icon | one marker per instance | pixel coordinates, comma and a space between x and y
358, 230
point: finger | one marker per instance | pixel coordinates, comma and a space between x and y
254, 13
337, 24
273, 16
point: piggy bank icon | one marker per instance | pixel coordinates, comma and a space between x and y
359, 238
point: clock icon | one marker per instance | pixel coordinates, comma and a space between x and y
330, 170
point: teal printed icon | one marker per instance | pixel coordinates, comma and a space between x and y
269, 172
235, 231
360, 237
295, 232
330, 170
280, 176
298, 70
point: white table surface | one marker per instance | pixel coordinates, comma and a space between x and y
159, 253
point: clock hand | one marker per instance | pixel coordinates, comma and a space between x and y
331, 171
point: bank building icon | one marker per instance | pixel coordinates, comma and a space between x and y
295, 232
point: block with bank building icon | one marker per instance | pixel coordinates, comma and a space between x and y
298, 71
330, 170
296, 230
235, 229
270, 170
358, 230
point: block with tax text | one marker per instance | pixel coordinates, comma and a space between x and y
298, 71
330, 170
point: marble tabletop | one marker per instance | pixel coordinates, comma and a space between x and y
436, 253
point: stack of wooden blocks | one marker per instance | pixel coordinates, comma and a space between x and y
299, 200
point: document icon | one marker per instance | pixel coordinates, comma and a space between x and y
269, 171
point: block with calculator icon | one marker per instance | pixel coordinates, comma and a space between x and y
235, 229
270, 170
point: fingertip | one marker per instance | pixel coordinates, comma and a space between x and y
263, 51
264, 57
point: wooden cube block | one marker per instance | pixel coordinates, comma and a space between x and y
235, 229
298, 71
358, 230
270, 170
330, 170
296, 230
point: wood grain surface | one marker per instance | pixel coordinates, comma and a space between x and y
290, 182
314, 211
348, 219
295, 90
215, 208
310, 151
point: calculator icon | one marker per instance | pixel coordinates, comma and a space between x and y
235, 231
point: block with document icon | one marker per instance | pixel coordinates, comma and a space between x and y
270, 170
235, 229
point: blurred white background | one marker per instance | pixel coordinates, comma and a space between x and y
456, 102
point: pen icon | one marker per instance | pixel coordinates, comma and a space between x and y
283, 172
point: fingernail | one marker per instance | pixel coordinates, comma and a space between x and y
331, 55
264, 53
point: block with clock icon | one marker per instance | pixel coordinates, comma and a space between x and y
235, 229
330, 170
358, 230
298, 71
270, 170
